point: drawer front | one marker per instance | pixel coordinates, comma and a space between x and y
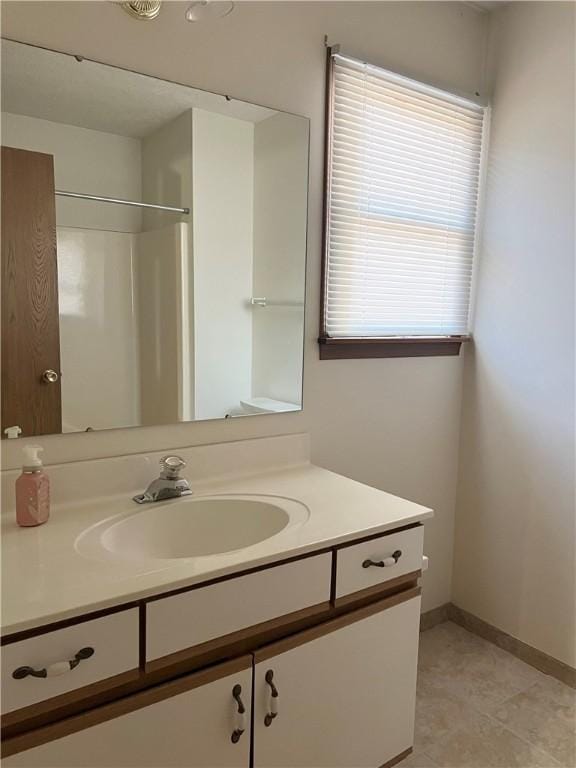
203, 614
114, 640
352, 575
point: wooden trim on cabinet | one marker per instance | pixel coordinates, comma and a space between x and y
411, 346
383, 589
332, 625
333, 577
398, 758
70, 703
240, 642
142, 629
123, 706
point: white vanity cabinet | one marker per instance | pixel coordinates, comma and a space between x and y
188, 723
345, 692
304, 664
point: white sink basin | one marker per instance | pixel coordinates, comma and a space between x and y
191, 527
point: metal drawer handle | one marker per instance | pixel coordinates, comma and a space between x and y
240, 715
269, 677
386, 563
59, 668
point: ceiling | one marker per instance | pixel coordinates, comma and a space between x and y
57, 87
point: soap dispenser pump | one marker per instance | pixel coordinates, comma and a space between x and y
32, 490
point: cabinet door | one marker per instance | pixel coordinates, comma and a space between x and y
191, 726
30, 320
345, 698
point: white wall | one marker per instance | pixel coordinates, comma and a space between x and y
280, 199
391, 423
223, 179
93, 162
515, 546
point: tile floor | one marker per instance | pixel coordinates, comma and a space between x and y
480, 707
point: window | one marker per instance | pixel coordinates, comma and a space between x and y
403, 173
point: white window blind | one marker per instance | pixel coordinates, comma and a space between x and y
403, 181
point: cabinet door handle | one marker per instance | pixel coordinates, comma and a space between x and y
273, 709
239, 715
386, 563
59, 668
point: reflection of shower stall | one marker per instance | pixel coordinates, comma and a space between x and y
164, 290
125, 327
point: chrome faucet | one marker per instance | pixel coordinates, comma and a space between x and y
169, 485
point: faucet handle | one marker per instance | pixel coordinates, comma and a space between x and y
171, 466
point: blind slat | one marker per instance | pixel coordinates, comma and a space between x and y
403, 194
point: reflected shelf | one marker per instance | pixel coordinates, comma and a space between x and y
262, 301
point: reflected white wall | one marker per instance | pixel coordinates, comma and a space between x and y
93, 162
223, 171
98, 329
280, 200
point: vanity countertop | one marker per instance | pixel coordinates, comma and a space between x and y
46, 579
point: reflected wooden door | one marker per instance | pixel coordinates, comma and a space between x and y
30, 322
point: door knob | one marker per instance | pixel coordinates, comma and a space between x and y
49, 376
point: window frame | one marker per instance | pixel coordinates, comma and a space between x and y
350, 348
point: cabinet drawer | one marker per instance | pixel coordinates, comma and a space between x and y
353, 572
113, 639
203, 614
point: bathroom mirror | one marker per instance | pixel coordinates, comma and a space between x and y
153, 249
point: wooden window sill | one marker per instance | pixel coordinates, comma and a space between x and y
417, 346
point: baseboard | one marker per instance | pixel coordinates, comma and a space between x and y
435, 616
527, 653
536, 658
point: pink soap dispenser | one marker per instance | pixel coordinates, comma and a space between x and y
32, 490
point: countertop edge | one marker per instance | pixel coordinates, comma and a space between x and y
128, 599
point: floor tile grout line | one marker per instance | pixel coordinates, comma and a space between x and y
498, 703
495, 721
554, 763
530, 679
527, 741
522, 738
517, 733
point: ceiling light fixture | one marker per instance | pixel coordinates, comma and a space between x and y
202, 10
144, 10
